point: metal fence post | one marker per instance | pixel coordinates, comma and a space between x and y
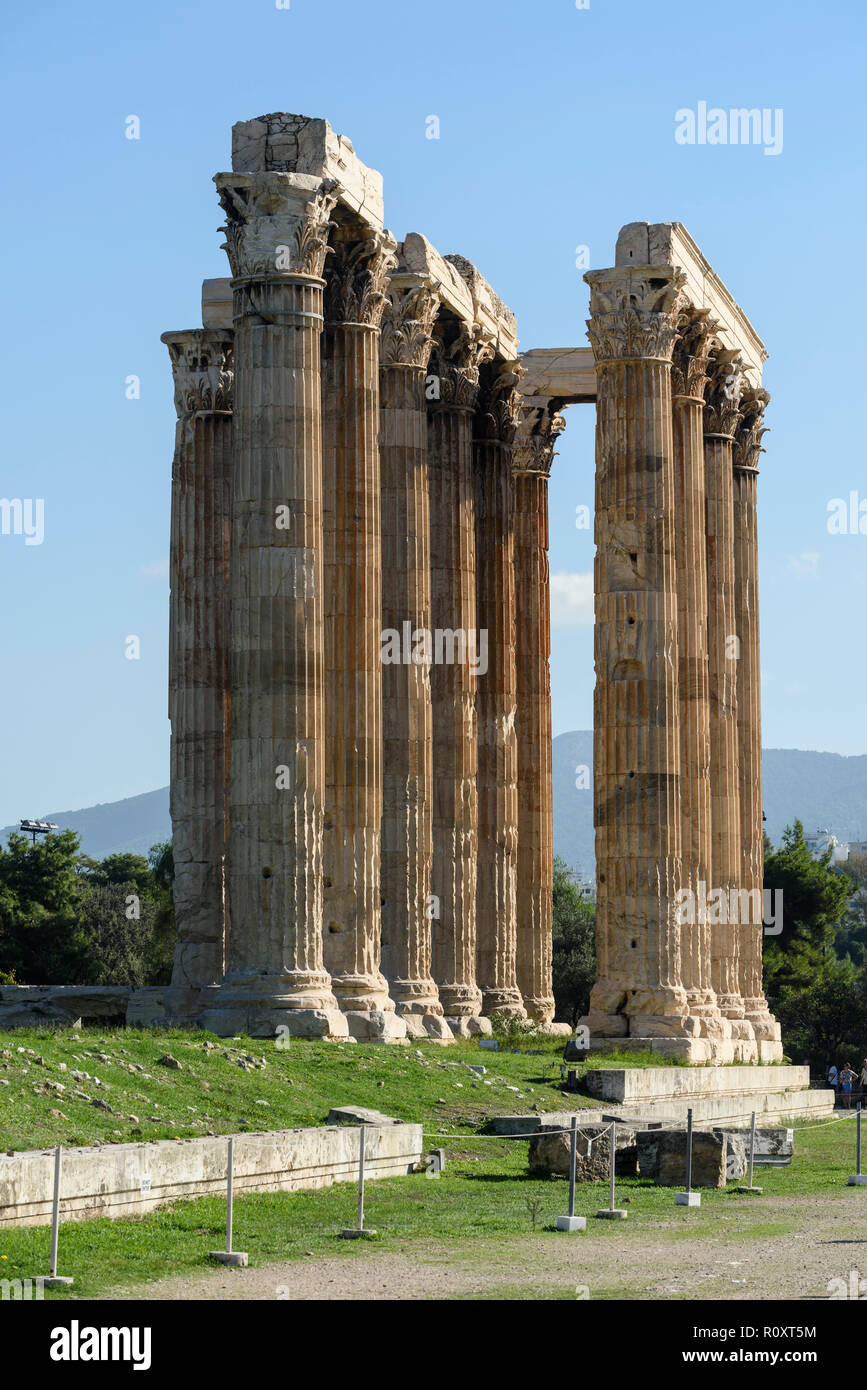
354, 1232
688, 1198
572, 1222
751, 1187
612, 1213
857, 1179
237, 1258
55, 1280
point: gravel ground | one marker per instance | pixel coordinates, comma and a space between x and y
787, 1248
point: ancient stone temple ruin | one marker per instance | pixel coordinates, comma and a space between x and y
360, 631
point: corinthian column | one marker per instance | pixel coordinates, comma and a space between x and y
495, 425
689, 376
531, 464
407, 837
637, 807
455, 369
721, 417
199, 660
746, 451
276, 236
354, 300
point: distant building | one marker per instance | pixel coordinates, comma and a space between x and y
585, 887
822, 840
857, 847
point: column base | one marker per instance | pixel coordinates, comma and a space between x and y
765, 1027
267, 1006
730, 1005
362, 993
273, 1023
505, 1003
460, 1001
540, 1008
427, 1028
473, 1026
704, 1009
415, 997
375, 1025
187, 1003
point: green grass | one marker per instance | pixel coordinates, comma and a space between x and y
283, 1089
481, 1197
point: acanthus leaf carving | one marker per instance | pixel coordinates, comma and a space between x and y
202, 369
633, 311
457, 365
499, 408
407, 324
751, 430
534, 447
691, 352
725, 385
355, 290
276, 223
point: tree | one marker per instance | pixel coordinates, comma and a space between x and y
161, 950
851, 938
40, 906
118, 927
828, 1017
814, 899
574, 948
69, 919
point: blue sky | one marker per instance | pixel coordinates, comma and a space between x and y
556, 127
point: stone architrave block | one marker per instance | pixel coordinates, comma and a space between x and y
358, 1115
550, 1151
709, 1154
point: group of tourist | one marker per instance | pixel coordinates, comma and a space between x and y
846, 1082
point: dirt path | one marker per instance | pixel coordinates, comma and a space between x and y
790, 1248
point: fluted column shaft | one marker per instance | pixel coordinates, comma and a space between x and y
453, 693
747, 449
407, 832
496, 700
691, 353
353, 619
721, 416
535, 793
637, 806
276, 235
198, 659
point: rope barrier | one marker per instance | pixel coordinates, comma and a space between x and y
714, 1121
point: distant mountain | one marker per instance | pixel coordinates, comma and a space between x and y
819, 789
116, 827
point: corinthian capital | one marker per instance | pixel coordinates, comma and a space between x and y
633, 311
355, 289
201, 369
691, 353
407, 322
276, 223
457, 364
723, 392
498, 414
750, 431
533, 451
